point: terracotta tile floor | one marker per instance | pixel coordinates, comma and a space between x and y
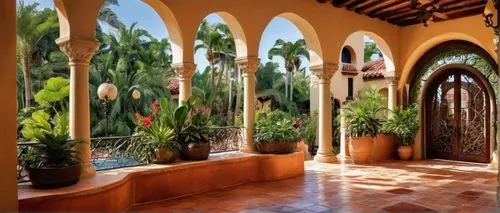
396, 186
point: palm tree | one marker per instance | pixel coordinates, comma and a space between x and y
131, 60
293, 53
269, 83
32, 26
108, 16
210, 38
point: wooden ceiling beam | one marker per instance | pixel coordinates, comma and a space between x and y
398, 12
409, 22
401, 14
358, 3
339, 3
389, 8
374, 5
462, 5
465, 11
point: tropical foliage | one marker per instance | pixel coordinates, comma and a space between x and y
32, 26
293, 53
363, 115
276, 126
135, 61
404, 124
370, 50
54, 149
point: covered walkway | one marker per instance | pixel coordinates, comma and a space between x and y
414, 186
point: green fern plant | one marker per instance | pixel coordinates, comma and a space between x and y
275, 127
363, 116
54, 148
404, 124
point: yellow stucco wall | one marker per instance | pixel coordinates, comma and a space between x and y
8, 155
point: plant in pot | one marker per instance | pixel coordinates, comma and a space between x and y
192, 130
275, 134
404, 124
362, 124
157, 138
53, 161
385, 142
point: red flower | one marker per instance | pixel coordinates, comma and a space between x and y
146, 122
154, 106
138, 115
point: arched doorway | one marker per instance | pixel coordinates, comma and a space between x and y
457, 116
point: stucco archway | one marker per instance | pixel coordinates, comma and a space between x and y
81, 22
382, 45
429, 44
310, 36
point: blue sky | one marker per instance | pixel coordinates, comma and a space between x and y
131, 11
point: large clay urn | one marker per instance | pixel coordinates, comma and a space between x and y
360, 149
384, 148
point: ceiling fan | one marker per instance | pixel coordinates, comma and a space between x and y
428, 10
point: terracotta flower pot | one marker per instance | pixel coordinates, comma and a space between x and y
195, 151
384, 147
360, 149
165, 156
49, 178
276, 147
405, 152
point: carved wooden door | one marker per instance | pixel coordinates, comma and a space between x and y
457, 118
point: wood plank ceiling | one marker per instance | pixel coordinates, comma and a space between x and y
400, 12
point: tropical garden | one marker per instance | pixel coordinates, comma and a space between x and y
144, 123
144, 111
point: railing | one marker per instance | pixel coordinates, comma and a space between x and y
118, 152
115, 152
226, 139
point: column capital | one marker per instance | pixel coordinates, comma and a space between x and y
185, 69
248, 65
391, 78
78, 50
324, 71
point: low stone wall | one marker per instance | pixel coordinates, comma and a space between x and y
120, 189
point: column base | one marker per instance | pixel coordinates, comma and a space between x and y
250, 149
325, 158
88, 171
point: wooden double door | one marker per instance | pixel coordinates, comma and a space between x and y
457, 117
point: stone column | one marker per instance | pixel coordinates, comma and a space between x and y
186, 72
248, 68
324, 74
343, 142
8, 131
392, 90
80, 52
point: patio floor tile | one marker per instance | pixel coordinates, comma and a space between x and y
394, 186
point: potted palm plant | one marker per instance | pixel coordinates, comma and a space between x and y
275, 133
362, 123
157, 137
53, 161
404, 124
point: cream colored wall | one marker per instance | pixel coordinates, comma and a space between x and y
8, 158
339, 85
